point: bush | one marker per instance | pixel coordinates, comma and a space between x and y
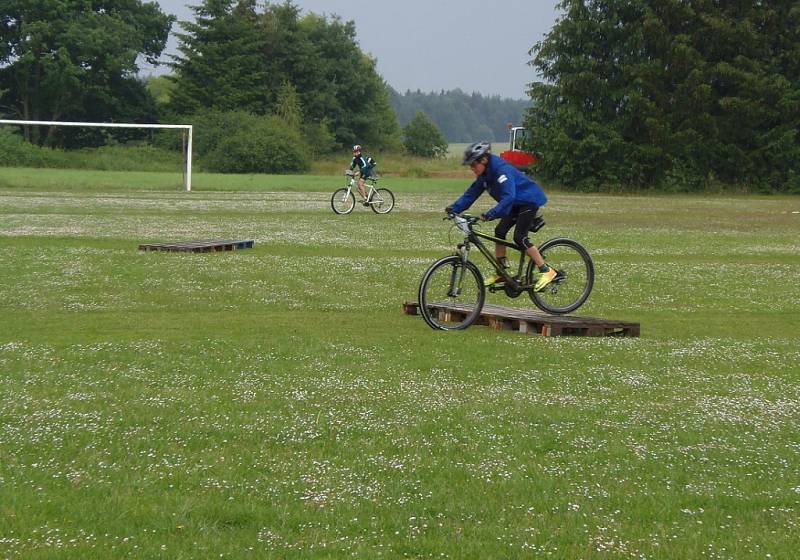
319, 138
19, 153
422, 138
239, 142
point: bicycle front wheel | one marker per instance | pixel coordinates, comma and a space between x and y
451, 294
343, 201
571, 287
382, 201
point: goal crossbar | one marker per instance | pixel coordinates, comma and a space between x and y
187, 127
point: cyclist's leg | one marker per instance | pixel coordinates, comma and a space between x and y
361, 188
500, 231
366, 172
525, 218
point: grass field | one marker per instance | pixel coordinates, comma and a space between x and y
275, 403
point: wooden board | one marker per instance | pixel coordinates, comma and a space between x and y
535, 322
199, 245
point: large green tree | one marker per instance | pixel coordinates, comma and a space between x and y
234, 57
77, 60
221, 66
672, 93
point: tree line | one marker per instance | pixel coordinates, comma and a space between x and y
270, 86
682, 96
459, 116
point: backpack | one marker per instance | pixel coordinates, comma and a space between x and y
371, 162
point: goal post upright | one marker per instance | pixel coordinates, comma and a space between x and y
189, 161
187, 127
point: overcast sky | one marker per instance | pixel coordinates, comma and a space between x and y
434, 45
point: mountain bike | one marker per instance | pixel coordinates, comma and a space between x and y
452, 292
380, 200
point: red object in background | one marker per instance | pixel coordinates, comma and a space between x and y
518, 158
515, 155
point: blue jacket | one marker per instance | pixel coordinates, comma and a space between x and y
506, 184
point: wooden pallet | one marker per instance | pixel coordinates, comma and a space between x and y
533, 322
199, 245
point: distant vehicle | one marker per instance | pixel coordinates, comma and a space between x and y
515, 154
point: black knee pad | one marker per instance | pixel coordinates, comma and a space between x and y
523, 241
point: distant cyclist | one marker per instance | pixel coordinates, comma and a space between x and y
518, 201
365, 166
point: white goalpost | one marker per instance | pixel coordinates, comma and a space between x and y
187, 135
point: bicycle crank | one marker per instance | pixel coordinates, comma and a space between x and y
512, 291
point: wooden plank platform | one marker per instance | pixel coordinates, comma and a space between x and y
199, 245
535, 322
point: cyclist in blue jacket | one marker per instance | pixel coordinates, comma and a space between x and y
518, 201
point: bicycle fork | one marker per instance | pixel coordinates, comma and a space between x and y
457, 274
347, 190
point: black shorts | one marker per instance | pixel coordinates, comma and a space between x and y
522, 215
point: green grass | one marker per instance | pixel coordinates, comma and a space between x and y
274, 402
95, 162
94, 181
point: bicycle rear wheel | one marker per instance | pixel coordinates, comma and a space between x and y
343, 201
451, 295
382, 201
573, 284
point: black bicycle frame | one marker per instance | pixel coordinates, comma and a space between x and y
475, 238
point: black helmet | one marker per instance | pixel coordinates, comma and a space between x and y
476, 151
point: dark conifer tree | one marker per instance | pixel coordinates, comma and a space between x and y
677, 94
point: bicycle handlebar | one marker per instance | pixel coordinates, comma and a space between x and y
464, 222
470, 219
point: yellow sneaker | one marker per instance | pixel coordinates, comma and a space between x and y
493, 279
544, 279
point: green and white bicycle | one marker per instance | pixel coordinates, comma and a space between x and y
452, 292
381, 200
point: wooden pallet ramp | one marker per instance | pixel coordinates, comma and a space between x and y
534, 322
199, 245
